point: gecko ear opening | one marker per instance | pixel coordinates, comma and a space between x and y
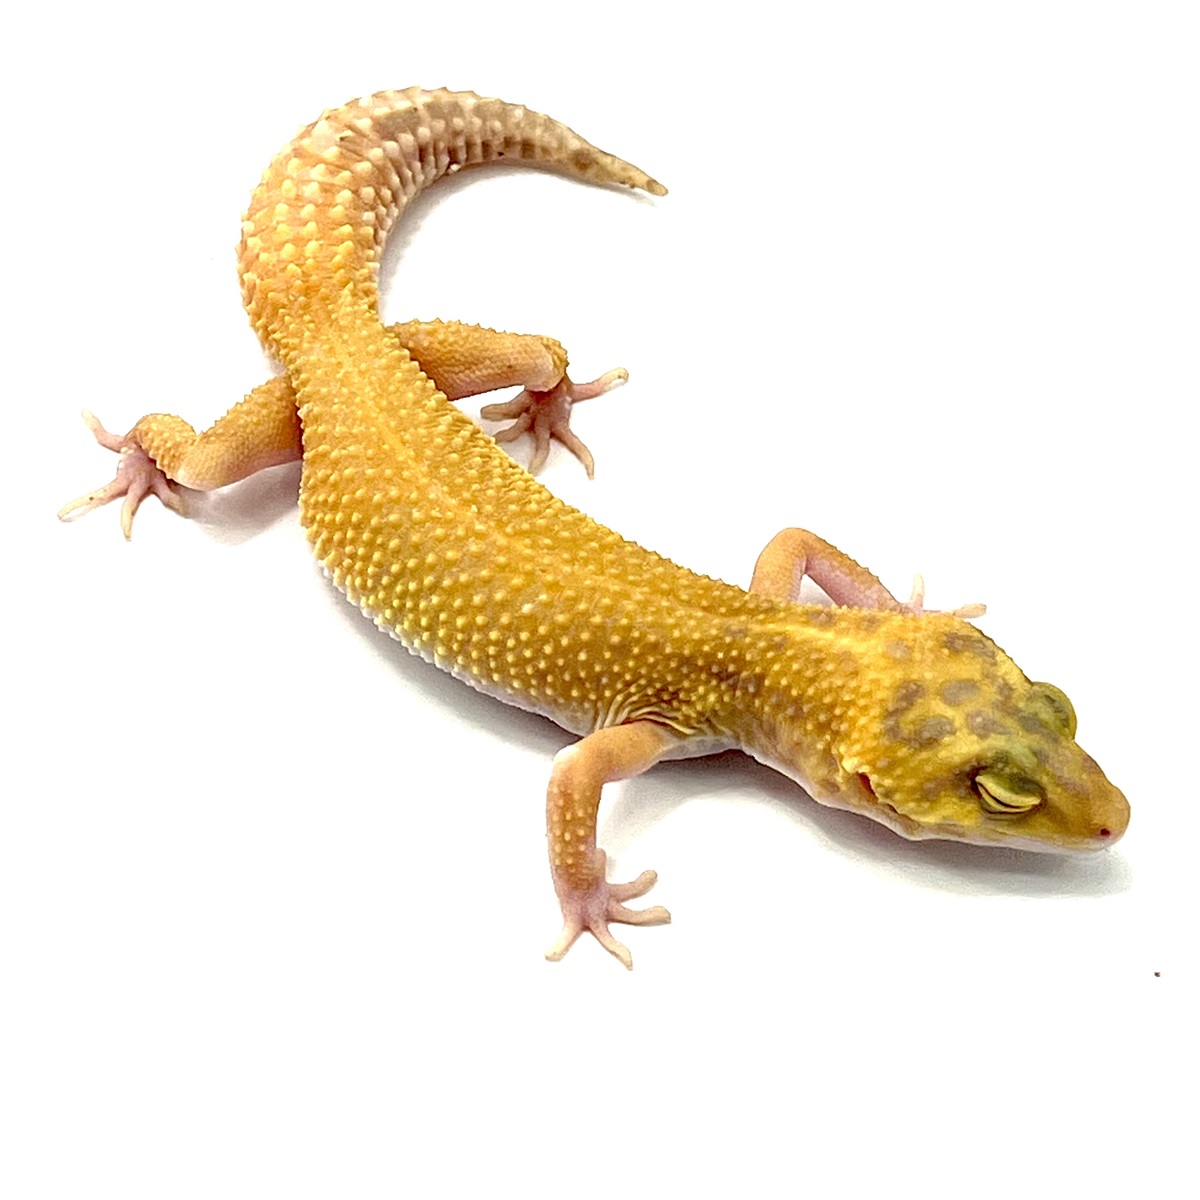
1005, 794
1056, 707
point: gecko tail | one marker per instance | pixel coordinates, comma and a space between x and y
471, 129
318, 220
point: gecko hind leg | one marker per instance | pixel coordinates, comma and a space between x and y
137, 476
468, 360
162, 452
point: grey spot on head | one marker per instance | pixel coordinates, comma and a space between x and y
817, 615
958, 690
932, 730
972, 642
907, 694
1031, 723
898, 650
926, 732
983, 724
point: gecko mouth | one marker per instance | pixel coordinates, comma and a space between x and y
887, 814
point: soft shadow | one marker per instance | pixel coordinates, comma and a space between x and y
421, 205
240, 512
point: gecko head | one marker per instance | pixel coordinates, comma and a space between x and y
964, 746
937, 733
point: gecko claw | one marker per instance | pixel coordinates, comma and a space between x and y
137, 476
916, 604
916, 601
548, 416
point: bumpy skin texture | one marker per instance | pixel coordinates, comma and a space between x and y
914, 719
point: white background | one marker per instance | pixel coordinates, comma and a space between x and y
273, 895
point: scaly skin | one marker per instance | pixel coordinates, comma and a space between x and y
914, 719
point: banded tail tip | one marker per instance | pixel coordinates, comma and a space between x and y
599, 166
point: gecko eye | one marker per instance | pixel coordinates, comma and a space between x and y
1006, 794
1058, 710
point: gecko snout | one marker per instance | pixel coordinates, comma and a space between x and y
1112, 818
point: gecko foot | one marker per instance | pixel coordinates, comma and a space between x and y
593, 909
137, 476
548, 416
916, 604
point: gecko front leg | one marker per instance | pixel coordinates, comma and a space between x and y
793, 554
589, 902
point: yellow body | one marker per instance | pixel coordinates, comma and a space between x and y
915, 719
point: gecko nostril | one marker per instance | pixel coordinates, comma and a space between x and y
1106, 833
